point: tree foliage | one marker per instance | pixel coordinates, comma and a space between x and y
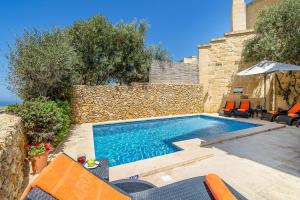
277, 38
42, 64
158, 52
110, 52
277, 34
89, 52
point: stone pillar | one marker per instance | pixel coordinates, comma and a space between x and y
238, 18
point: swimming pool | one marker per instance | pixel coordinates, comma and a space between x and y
131, 141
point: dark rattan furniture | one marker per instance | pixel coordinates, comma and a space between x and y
259, 112
102, 171
190, 189
287, 119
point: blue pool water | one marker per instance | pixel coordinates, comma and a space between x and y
131, 141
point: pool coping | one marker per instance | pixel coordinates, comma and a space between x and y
192, 150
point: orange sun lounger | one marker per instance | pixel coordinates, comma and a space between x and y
292, 115
65, 179
228, 109
244, 109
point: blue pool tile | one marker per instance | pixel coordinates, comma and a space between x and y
131, 141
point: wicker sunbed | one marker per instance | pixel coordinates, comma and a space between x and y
190, 189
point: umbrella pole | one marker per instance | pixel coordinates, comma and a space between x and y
265, 91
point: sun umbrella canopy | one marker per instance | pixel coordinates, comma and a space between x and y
266, 67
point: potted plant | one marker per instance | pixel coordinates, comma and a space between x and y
38, 155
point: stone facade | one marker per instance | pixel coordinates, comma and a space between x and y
12, 157
244, 15
219, 63
238, 18
105, 103
190, 60
221, 60
174, 73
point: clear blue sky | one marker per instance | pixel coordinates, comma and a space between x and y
180, 25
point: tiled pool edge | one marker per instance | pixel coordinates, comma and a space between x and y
242, 133
154, 165
192, 150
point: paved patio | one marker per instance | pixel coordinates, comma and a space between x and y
262, 166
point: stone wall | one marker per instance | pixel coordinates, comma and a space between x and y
174, 73
238, 16
12, 157
105, 103
219, 63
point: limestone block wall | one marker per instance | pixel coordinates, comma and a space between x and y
173, 73
254, 8
238, 18
219, 63
12, 157
105, 103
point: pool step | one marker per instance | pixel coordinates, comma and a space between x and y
151, 166
242, 133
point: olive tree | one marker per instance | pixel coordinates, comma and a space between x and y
277, 34
158, 52
93, 41
131, 60
110, 52
277, 38
42, 64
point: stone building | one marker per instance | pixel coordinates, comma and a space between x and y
221, 59
190, 60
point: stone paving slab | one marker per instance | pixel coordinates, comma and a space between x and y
255, 165
263, 166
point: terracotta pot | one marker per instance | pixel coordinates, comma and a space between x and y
38, 163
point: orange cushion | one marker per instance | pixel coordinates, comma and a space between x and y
245, 105
218, 188
293, 115
229, 105
242, 110
273, 112
295, 108
227, 109
66, 179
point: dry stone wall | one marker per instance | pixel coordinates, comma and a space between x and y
174, 73
12, 157
105, 103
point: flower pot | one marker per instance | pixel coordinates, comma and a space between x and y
39, 162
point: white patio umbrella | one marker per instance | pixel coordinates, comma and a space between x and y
266, 67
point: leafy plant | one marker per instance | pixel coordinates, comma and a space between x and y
42, 64
277, 34
158, 52
39, 149
45, 120
277, 38
110, 52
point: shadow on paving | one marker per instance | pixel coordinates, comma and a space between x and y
279, 149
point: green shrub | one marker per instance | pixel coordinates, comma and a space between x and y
42, 64
277, 34
45, 120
